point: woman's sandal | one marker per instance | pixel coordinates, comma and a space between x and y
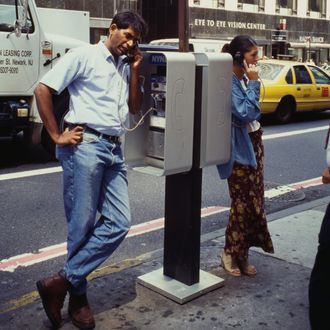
230, 265
246, 268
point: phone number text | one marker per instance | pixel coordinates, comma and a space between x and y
9, 69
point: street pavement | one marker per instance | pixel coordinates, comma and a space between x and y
276, 298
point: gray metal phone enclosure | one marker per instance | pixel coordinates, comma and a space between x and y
163, 144
216, 107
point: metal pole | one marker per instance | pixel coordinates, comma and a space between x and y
183, 195
183, 25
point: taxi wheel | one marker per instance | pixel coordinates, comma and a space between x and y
284, 111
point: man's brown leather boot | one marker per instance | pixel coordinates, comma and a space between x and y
52, 291
80, 312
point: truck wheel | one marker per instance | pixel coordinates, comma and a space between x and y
61, 107
284, 111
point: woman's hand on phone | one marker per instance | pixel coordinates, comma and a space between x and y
251, 71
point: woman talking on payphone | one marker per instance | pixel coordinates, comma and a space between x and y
247, 225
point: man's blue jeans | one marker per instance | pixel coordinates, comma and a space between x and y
94, 179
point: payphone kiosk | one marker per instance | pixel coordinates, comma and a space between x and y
162, 144
215, 86
180, 279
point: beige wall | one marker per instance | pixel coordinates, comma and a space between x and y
96, 8
100, 11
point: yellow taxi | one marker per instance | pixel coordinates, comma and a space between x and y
289, 87
326, 68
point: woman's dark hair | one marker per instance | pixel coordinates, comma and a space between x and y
239, 46
127, 19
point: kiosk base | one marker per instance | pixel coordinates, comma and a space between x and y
177, 291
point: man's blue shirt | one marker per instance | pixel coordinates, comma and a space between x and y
98, 87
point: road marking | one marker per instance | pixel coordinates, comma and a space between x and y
50, 252
292, 133
281, 190
28, 259
56, 169
278, 191
307, 183
29, 298
24, 300
24, 174
57, 250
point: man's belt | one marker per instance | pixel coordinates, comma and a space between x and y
112, 138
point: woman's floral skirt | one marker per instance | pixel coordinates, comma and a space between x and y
247, 224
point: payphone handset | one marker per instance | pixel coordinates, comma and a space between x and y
162, 145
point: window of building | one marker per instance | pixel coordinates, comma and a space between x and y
289, 5
259, 4
319, 6
250, 2
218, 3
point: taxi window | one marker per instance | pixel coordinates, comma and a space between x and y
289, 77
302, 75
269, 71
320, 77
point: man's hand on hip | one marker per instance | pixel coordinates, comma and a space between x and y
72, 136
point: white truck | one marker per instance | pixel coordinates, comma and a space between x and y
31, 42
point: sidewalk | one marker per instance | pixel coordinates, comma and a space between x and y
277, 298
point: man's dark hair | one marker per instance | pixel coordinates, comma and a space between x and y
127, 19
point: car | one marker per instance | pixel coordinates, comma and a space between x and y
326, 68
195, 45
289, 87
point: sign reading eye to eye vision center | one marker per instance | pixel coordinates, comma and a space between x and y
208, 23
229, 24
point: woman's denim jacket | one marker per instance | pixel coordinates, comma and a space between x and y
245, 109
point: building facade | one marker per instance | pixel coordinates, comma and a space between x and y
101, 12
287, 28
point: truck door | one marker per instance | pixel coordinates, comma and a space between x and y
19, 50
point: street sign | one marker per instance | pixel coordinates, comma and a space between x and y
279, 35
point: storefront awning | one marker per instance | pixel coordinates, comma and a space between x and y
261, 42
99, 23
306, 45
